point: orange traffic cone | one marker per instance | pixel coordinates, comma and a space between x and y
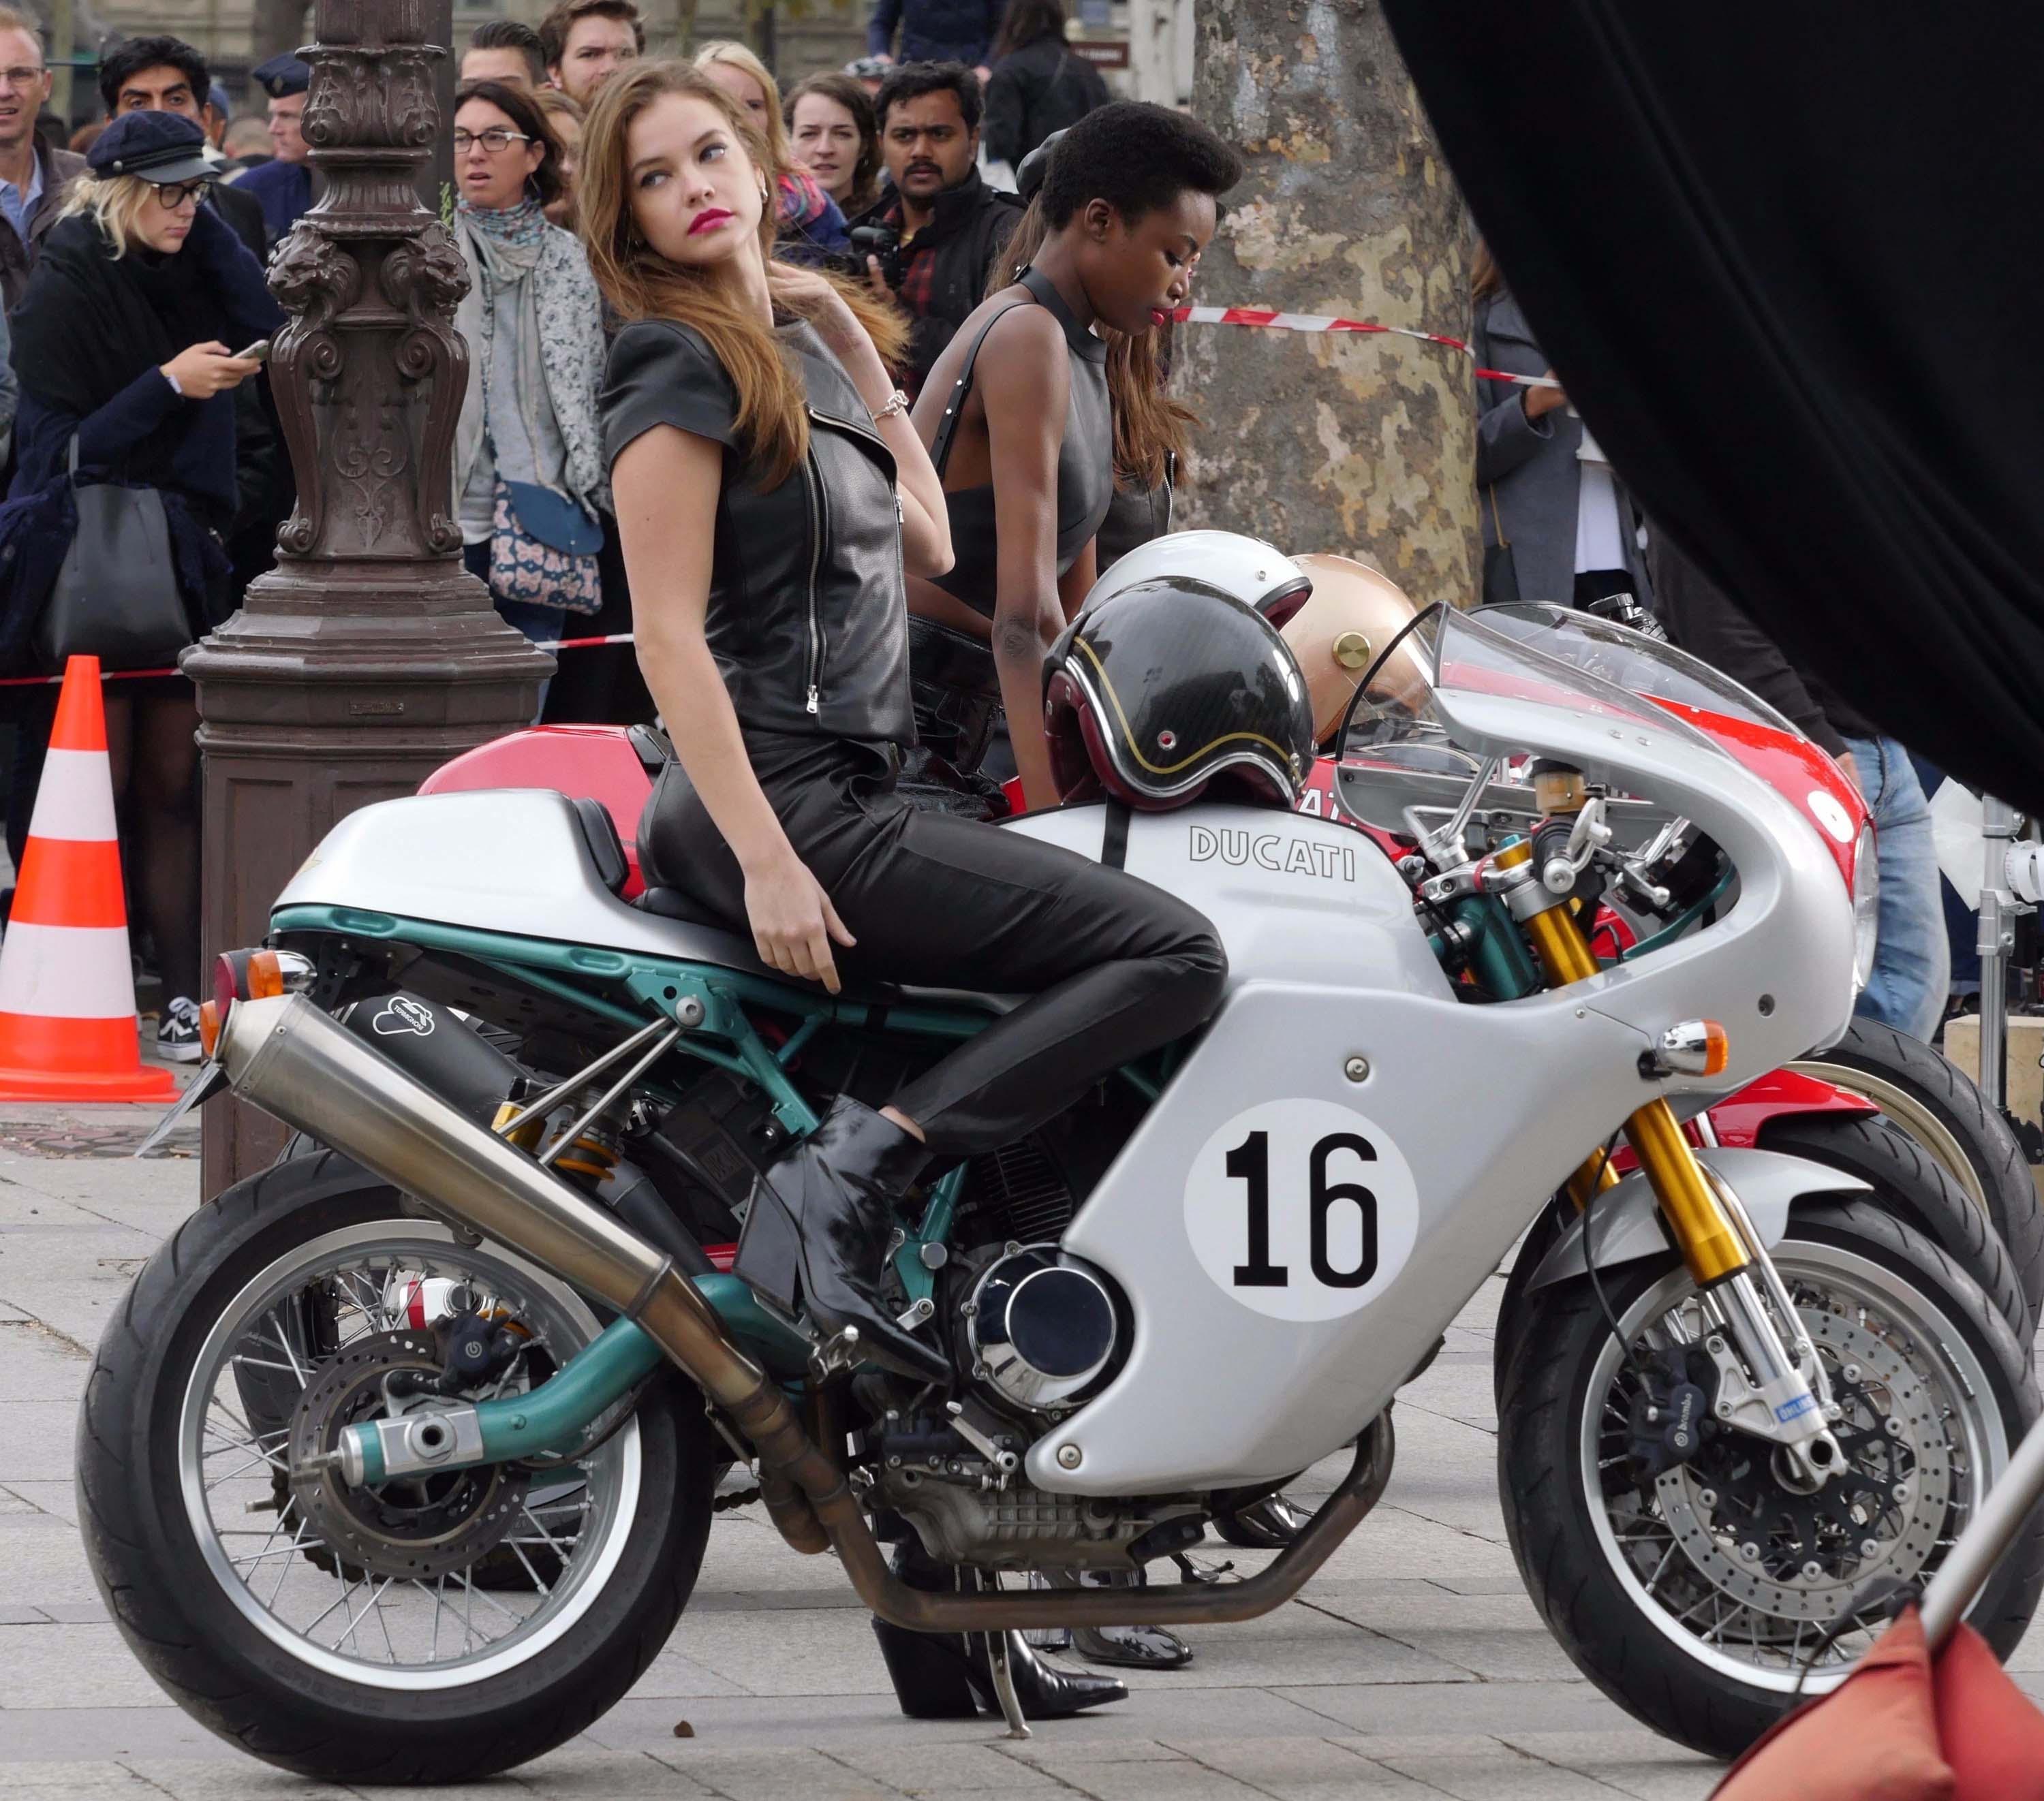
66, 988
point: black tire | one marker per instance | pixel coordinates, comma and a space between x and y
1908, 1182
1951, 1099
207, 1654
1600, 1619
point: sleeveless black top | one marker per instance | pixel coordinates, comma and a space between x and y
1085, 460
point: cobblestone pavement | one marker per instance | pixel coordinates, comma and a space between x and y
1414, 1667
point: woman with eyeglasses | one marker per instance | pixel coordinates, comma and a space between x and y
123, 344
530, 486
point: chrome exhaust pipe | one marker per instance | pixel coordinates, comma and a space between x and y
298, 1065
294, 1063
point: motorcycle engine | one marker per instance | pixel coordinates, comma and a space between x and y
1039, 1327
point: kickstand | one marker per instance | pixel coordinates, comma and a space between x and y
998, 1646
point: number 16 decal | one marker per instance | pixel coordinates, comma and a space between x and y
1301, 1209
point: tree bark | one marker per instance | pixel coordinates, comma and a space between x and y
275, 26
1358, 444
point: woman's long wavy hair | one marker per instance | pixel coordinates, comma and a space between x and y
772, 423
1150, 427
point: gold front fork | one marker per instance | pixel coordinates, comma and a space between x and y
1709, 1242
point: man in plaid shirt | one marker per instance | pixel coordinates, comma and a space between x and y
951, 225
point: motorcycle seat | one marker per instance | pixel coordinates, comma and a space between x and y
672, 903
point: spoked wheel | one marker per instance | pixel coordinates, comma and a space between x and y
1698, 1597
428, 1628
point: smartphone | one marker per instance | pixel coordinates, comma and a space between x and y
258, 352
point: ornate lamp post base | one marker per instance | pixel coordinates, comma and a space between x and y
368, 657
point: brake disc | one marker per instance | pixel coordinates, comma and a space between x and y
411, 1528
1801, 1555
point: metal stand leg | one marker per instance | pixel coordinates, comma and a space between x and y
1003, 1685
1998, 910
997, 1645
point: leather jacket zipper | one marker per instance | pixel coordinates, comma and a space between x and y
819, 521
819, 498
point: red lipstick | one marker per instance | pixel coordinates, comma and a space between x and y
708, 220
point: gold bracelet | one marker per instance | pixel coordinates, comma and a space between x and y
897, 402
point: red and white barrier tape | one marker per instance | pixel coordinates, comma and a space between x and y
1267, 319
143, 675
1262, 318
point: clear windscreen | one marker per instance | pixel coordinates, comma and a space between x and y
1407, 707
1632, 660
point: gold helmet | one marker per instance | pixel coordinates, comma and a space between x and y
1350, 619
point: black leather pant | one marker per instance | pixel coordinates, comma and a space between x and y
1113, 966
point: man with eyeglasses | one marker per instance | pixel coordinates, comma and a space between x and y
32, 182
284, 186
167, 75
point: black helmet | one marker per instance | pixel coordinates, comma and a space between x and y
1164, 686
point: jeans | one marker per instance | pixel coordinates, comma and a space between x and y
541, 624
1912, 959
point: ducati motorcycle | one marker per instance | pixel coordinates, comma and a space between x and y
398, 1461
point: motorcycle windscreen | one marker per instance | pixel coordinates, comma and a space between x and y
1779, 261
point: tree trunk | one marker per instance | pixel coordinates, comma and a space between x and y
1358, 444
275, 26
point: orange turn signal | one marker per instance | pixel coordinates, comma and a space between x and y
208, 1026
1717, 1048
266, 976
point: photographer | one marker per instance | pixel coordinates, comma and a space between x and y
929, 244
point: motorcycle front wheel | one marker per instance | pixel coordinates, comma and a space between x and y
1699, 1599
433, 1630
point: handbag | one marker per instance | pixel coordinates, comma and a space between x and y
1500, 571
116, 596
542, 549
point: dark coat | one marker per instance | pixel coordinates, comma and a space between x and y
1527, 476
143, 434
60, 169
1039, 89
935, 31
972, 223
283, 189
243, 215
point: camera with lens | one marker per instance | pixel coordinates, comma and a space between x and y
882, 242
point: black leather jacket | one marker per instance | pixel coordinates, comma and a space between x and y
807, 618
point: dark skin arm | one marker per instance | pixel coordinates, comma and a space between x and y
1025, 377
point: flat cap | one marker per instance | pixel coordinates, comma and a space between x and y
282, 76
158, 147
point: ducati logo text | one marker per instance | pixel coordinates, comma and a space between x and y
1274, 850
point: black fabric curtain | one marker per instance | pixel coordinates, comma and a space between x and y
1784, 261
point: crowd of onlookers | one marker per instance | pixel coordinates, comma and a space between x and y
132, 252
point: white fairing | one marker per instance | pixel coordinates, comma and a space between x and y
1340, 1063
1471, 1116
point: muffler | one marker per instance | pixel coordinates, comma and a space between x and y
305, 1068
296, 1064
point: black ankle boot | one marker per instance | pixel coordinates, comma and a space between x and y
815, 1239
1046, 1691
932, 1679
937, 1677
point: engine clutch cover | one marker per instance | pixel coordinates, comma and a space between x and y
1041, 1325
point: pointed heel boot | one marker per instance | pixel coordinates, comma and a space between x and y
931, 1679
1046, 1691
816, 1238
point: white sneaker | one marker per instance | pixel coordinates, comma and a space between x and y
177, 1035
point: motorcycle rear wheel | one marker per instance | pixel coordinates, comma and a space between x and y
300, 1655
1694, 1600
